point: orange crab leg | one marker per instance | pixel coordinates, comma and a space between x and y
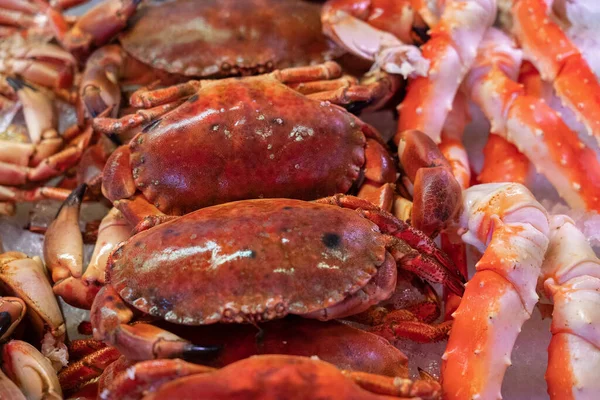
571, 277
529, 123
503, 162
511, 227
451, 51
558, 60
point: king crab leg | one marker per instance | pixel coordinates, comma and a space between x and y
530, 124
562, 63
511, 228
571, 278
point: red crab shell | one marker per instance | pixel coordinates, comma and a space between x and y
243, 138
182, 270
212, 38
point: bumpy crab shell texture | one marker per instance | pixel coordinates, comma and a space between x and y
256, 138
248, 261
219, 37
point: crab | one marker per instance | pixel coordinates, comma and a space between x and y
262, 377
358, 351
204, 40
321, 260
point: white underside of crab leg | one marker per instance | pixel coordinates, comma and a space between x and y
530, 124
571, 277
506, 222
451, 50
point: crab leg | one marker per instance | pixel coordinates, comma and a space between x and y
95, 28
44, 64
410, 247
382, 40
147, 99
100, 87
89, 367
511, 229
571, 278
40, 118
530, 124
451, 51
503, 162
560, 63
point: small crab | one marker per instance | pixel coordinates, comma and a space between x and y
207, 39
266, 377
257, 260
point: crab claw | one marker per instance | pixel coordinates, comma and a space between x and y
40, 118
12, 311
30, 371
63, 243
26, 278
43, 64
437, 194
110, 316
94, 28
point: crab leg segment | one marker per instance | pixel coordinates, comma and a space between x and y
90, 367
451, 50
558, 60
529, 123
511, 229
503, 162
571, 278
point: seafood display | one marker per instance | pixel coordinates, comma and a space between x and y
298, 199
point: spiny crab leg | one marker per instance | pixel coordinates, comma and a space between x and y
529, 123
510, 227
571, 278
63, 251
451, 50
559, 61
30, 371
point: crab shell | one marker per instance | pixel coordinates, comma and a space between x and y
245, 138
252, 261
217, 38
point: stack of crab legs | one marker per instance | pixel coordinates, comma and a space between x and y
260, 204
